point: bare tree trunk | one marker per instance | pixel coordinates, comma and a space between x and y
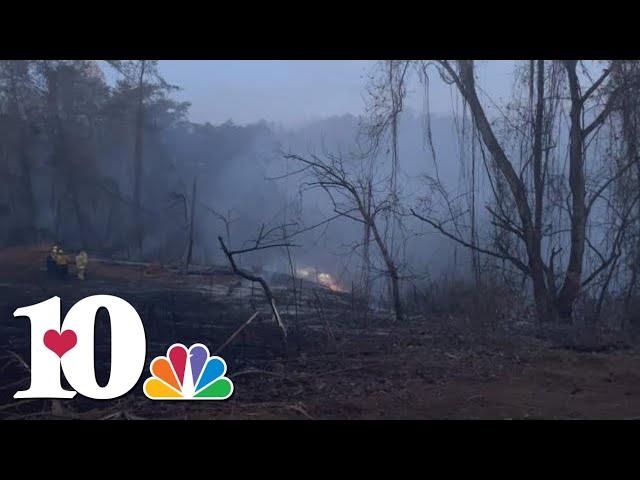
392, 270
630, 132
542, 292
191, 223
137, 158
366, 261
538, 180
605, 288
294, 285
397, 72
531, 237
571, 287
631, 289
475, 256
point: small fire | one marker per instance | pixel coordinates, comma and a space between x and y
325, 279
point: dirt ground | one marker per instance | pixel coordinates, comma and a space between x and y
408, 373
424, 369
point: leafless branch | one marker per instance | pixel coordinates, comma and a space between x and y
258, 279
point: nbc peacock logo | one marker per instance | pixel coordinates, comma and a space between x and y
188, 374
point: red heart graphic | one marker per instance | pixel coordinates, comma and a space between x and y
60, 343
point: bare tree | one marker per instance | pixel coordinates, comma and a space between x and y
353, 197
530, 228
386, 95
261, 243
143, 78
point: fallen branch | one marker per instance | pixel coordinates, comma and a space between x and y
20, 361
300, 409
13, 384
235, 334
255, 278
19, 403
256, 371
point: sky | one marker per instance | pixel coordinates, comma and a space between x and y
294, 92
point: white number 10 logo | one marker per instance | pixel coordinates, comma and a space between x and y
70, 347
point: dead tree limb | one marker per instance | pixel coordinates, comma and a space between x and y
254, 278
236, 333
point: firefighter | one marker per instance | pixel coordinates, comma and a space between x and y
51, 260
82, 259
62, 264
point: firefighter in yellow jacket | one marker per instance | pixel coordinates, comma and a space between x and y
82, 259
62, 263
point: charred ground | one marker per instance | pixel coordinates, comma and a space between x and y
334, 365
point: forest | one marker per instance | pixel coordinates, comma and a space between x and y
487, 259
